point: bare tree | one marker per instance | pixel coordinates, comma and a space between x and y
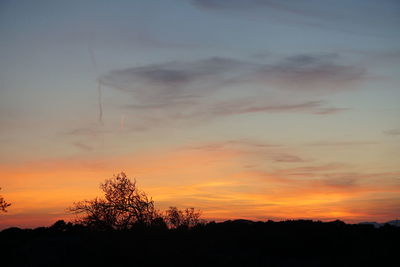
122, 207
3, 204
188, 217
173, 217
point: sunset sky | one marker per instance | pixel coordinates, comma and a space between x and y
256, 109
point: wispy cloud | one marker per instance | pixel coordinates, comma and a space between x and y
343, 143
311, 72
332, 110
288, 6
83, 146
288, 158
313, 107
340, 180
337, 176
176, 80
314, 14
173, 82
217, 86
392, 132
233, 143
83, 131
251, 150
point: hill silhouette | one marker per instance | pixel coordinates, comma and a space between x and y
229, 243
123, 228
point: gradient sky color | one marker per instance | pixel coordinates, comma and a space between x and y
256, 109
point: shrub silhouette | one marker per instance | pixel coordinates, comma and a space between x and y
122, 207
229, 243
3, 204
176, 218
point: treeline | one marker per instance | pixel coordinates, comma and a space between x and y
125, 206
3, 204
230, 243
124, 228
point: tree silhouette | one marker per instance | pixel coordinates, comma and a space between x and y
3, 204
176, 218
122, 207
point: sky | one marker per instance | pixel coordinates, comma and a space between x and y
256, 109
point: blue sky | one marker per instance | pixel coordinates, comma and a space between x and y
274, 86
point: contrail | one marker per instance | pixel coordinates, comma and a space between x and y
100, 102
99, 98
122, 123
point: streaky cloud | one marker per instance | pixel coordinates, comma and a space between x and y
242, 143
249, 148
177, 80
168, 82
341, 180
287, 158
306, 72
321, 15
392, 132
83, 146
287, 6
343, 143
185, 90
330, 110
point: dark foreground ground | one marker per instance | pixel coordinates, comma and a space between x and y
231, 243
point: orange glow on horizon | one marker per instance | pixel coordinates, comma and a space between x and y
40, 192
